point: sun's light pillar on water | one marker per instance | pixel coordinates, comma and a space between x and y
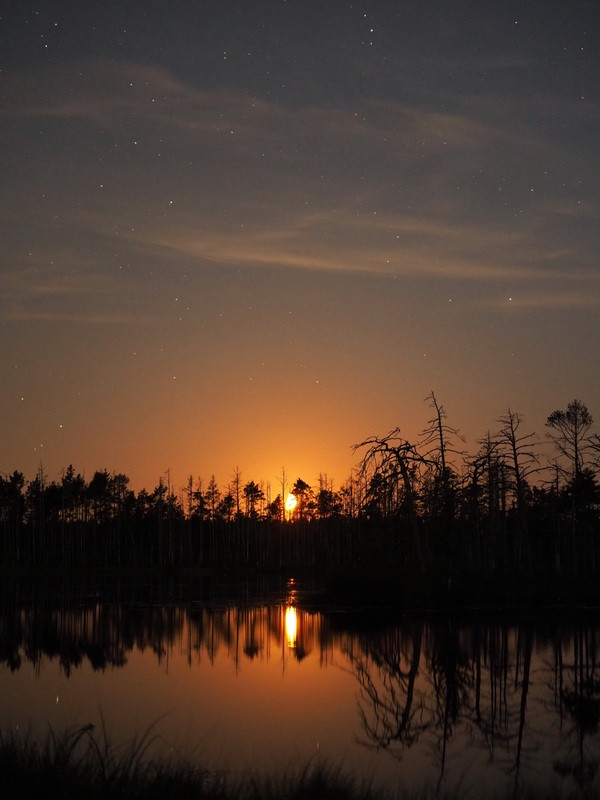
291, 625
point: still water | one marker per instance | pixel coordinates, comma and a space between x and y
257, 677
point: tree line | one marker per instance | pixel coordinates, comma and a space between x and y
421, 503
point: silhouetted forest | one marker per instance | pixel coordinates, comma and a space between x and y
520, 502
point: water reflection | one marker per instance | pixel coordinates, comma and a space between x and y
579, 707
291, 625
514, 700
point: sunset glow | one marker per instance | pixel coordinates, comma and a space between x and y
291, 502
259, 224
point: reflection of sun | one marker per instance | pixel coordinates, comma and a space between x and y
291, 502
291, 625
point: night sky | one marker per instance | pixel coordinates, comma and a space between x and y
253, 234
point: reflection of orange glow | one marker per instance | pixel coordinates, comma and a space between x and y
291, 502
291, 625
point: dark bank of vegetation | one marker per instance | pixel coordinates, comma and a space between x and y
416, 519
80, 763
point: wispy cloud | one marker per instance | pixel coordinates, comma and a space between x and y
385, 188
351, 241
42, 294
30, 315
112, 95
66, 273
36, 284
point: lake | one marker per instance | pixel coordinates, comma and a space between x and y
255, 675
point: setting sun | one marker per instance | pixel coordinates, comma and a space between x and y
291, 502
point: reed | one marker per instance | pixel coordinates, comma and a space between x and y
82, 762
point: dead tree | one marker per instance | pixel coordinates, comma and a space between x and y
521, 461
438, 446
393, 453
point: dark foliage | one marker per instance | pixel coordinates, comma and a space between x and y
423, 506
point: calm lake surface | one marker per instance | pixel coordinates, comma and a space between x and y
252, 676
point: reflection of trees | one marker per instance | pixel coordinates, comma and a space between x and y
491, 668
579, 698
253, 633
390, 705
437, 687
406, 694
443, 682
451, 680
501, 665
524, 683
79, 628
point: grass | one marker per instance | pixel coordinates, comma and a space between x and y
81, 763
84, 763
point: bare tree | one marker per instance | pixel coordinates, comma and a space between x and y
283, 483
486, 501
594, 442
438, 447
237, 488
395, 453
438, 439
521, 461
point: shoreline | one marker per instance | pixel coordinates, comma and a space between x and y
358, 589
